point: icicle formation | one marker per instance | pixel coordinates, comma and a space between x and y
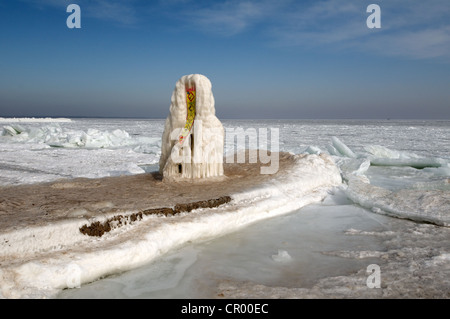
193, 138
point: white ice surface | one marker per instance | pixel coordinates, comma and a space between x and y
57, 136
33, 153
30, 159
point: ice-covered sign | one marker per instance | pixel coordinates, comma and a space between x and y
193, 137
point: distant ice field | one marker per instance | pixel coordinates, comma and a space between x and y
36, 151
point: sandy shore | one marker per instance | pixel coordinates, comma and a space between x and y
39, 204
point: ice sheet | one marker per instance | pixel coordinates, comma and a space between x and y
57, 136
412, 261
42, 153
398, 139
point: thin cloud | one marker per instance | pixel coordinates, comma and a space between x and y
323, 23
416, 29
413, 29
230, 17
41, 4
117, 11
424, 44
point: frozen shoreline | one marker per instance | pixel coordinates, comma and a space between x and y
40, 261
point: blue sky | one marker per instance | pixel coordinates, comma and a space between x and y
265, 59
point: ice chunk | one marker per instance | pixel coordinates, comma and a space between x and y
313, 150
342, 148
353, 167
378, 151
412, 162
282, 256
333, 151
57, 136
12, 130
382, 156
432, 206
439, 171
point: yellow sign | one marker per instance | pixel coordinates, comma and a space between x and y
190, 102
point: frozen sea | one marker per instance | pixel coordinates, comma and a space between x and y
392, 209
